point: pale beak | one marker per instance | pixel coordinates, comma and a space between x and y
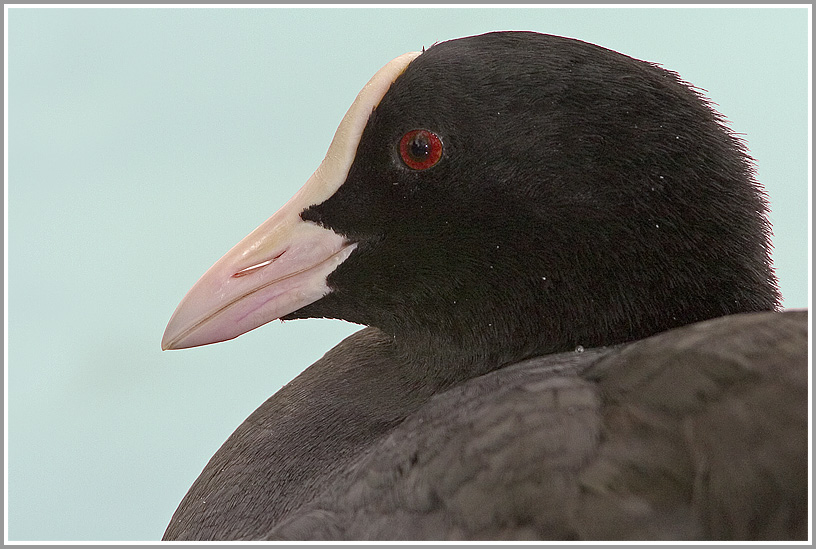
283, 264
280, 267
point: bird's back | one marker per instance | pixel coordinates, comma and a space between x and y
696, 433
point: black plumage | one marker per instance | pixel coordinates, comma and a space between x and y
585, 200
577, 183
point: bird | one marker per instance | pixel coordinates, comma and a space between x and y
561, 258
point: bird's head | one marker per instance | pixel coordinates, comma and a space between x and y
511, 190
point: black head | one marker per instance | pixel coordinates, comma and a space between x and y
582, 198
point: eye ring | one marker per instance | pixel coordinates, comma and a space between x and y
420, 149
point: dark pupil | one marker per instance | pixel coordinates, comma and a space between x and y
419, 148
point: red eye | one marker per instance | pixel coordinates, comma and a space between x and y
420, 149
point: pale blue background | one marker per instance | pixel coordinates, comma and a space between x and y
144, 143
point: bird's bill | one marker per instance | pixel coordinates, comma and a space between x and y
278, 268
283, 264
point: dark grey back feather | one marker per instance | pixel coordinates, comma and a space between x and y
697, 433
